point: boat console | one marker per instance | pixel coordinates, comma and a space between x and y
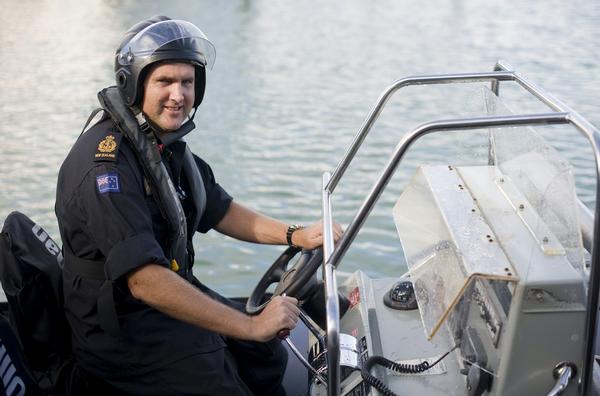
506, 298
493, 283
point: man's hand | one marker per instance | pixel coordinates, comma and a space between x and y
242, 223
281, 313
312, 236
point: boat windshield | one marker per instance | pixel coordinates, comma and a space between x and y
476, 235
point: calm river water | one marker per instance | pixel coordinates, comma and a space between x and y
292, 83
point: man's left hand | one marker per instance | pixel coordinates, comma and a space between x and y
311, 237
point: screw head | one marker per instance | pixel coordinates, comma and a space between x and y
539, 296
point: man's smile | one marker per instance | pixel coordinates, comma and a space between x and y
174, 109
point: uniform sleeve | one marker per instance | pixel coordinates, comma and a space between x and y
118, 219
217, 199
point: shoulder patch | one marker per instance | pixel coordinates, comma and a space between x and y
108, 182
108, 147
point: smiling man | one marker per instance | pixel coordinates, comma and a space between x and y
130, 197
169, 95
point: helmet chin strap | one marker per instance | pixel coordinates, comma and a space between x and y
168, 137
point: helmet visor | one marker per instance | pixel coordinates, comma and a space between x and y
179, 37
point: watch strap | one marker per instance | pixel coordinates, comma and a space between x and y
288, 235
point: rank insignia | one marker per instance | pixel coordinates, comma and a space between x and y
108, 148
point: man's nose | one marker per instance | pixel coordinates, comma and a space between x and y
176, 92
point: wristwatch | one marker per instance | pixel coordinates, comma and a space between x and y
288, 235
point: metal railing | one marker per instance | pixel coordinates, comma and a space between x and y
332, 304
593, 136
333, 255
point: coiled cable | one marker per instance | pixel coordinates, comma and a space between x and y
397, 367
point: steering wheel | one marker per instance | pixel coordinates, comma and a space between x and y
297, 281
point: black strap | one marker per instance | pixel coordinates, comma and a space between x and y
89, 269
94, 269
196, 187
107, 312
91, 117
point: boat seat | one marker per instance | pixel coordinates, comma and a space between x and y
17, 379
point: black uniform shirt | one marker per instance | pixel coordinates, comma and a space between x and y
105, 213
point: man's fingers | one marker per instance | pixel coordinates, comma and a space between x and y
283, 334
292, 306
287, 300
288, 306
279, 317
293, 300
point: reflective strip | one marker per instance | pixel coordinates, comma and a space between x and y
9, 373
4, 365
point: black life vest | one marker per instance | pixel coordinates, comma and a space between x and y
179, 249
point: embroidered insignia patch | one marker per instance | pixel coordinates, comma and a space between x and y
108, 145
108, 148
108, 182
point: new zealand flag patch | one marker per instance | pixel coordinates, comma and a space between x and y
108, 182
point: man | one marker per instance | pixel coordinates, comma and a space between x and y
130, 196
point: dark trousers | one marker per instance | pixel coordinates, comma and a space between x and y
219, 373
242, 368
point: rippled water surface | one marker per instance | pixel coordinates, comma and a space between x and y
291, 86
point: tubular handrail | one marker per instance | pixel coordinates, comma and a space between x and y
540, 94
410, 138
333, 256
333, 332
387, 94
332, 303
593, 136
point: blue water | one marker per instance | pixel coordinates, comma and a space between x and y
291, 86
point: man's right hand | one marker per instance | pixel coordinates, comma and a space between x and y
280, 313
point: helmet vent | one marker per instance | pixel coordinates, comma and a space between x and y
121, 79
